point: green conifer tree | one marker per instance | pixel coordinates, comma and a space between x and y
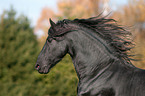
18, 53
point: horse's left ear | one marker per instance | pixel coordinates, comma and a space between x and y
52, 24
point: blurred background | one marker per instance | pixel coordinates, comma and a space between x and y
23, 31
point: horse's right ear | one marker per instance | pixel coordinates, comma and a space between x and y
52, 24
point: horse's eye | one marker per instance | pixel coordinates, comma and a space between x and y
49, 39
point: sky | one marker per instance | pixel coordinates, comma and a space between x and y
32, 8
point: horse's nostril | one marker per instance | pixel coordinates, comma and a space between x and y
37, 66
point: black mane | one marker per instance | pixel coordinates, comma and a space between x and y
115, 35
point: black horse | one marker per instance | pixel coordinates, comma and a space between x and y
98, 48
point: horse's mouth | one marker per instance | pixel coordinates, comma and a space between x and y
45, 71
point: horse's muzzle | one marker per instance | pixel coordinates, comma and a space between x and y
42, 70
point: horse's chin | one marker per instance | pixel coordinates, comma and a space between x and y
41, 72
44, 70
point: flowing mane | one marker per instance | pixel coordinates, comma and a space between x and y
115, 35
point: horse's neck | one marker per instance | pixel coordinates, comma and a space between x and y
89, 56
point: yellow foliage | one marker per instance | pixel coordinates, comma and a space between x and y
43, 23
78, 8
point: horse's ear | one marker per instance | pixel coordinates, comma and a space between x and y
52, 24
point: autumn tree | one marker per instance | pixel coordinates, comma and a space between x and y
71, 9
43, 24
